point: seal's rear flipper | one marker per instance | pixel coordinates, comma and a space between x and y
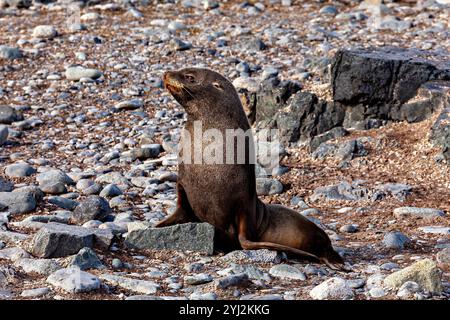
250, 245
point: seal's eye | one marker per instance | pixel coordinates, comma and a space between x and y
190, 78
217, 85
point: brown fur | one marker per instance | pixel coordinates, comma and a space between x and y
224, 195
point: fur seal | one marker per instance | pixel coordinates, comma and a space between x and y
224, 195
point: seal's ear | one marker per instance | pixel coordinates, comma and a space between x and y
217, 85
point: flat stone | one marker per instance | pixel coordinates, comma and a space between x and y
14, 237
13, 254
39, 266
135, 285
254, 256
73, 280
77, 73
188, 236
197, 279
426, 213
424, 272
436, 230
285, 271
18, 202
35, 293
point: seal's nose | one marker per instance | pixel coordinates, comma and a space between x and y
167, 76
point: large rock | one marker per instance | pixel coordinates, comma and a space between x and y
92, 208
272, 96
9, 115
440, 133
424, 272
59, 240
306, 117
382, 84
18, 202
188, 236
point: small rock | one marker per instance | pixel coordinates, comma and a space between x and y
395, 240
73, 280
334, 288
92, 208
266, 186
10, 53
77, 73
287, 272
45, 32
235, 280
9, 115
408, 289
85, 259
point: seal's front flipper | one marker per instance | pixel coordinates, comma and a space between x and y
179, 216
183, 214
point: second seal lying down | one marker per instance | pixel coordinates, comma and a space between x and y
223, 194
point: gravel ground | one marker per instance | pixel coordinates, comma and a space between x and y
76, 127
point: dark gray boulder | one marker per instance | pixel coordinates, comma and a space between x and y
378, 85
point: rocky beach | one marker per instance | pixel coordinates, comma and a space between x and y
357, 91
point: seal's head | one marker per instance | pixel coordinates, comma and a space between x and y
194, 88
